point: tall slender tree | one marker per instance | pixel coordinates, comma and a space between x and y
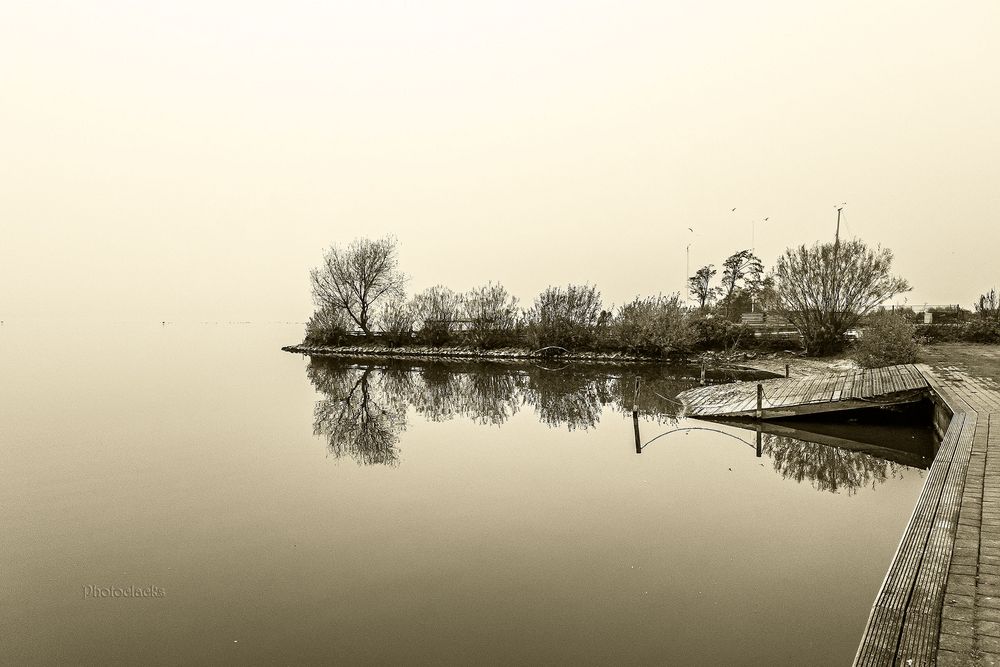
700, 286
739, 270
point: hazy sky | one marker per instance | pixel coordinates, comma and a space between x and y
191, 160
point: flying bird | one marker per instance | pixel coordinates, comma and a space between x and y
734, 208
766, 219
690, 230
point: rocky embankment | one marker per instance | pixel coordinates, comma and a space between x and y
462, 353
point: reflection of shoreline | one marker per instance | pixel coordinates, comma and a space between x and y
363, 410
364, 407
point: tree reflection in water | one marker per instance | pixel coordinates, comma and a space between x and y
493, 398
360, 416
567, 397
828, 468
364, 407
364, 404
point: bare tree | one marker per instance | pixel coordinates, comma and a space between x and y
700, 286
826, 289
356, 277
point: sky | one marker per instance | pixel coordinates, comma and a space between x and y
190, 161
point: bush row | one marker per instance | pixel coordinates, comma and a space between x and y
974, 331
571, 317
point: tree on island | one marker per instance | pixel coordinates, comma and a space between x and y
700, 286
356, 277
826, 289
740, 273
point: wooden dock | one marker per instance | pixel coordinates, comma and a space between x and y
940, 601
790, 397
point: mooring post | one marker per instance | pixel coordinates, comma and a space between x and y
786, 370
635, 416
760, 400
635, 427
703, 372
759, 448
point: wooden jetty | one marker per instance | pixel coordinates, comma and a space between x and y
940, 601
791, 397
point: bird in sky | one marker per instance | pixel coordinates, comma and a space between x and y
766, 219
734, 208
690, 230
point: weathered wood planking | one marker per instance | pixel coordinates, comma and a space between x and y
887, 622
933, 570
786, 397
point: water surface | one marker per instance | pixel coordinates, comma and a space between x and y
371, 512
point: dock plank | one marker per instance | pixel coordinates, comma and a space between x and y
784, 397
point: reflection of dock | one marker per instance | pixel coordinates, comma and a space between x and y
853, 442
789, 397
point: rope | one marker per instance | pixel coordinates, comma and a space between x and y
699, 428
561, 368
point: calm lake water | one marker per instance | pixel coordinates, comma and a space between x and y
360, 512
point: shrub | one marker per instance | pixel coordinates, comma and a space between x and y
940, 333
717, 333
888, 340
438, 310
825, 290
975, 331
493, 316
327, 326
652, 326
565, 317
396, 321
771, 341
983, 331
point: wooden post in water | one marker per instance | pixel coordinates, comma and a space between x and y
635, 417
786, 370
635, 427
760, 400
759, 448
